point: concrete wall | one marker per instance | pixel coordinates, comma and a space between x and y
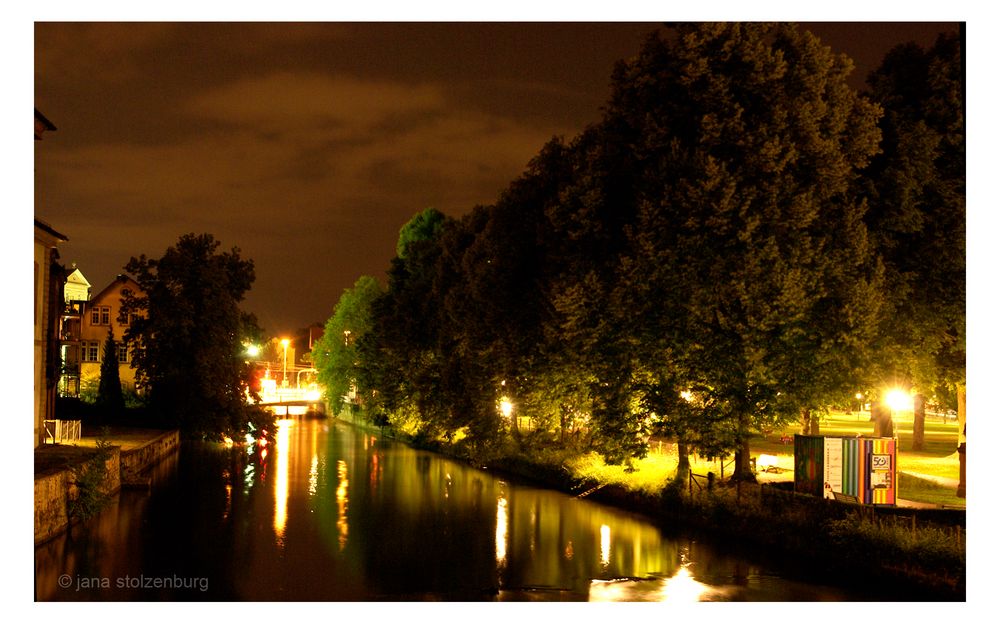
54, 492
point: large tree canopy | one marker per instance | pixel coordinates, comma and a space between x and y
698, 262
917, 218
187, 336
749, 259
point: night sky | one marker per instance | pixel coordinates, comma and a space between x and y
308, 145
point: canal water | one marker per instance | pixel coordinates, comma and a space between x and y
326, 512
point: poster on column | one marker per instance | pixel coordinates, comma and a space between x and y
881, 472
833, 466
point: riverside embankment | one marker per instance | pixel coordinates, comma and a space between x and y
914, 553
59, 468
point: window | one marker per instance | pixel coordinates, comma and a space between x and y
100, 315
122, 352
91, 350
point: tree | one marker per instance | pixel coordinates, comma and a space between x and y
186, 337
423, 227
917, 216
336, 357
109, 392
749, 234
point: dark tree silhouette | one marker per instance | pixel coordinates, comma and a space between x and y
110, 399
187, 337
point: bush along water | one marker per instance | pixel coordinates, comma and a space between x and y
90, 479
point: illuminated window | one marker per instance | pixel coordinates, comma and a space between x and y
122, 352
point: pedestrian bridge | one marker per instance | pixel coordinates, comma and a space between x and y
291, 400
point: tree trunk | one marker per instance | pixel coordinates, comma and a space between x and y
882, 417
683, 462
961, 441
810, 423
919, 413
742, 463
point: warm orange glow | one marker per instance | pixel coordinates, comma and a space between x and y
683, 587
313, 475
342, 504
605, 545
501, 535
506, 407
898, 400
281, 480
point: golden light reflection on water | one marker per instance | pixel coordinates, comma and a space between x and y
683, 587
605, 545
342, 504
313, 475
501, 536
281, 480
680, 588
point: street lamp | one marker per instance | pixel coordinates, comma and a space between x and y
284, 365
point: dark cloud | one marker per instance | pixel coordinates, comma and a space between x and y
308, 145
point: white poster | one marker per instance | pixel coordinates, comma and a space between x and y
881, 476
833, 466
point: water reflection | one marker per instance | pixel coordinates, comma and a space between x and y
501, 534
342, 504
418, 528
605, 545
281, 480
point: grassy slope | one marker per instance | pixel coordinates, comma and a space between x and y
937, 460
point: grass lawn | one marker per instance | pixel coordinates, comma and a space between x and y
938, 459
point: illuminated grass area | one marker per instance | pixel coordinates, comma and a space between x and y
938, 459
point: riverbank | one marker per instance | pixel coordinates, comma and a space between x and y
119, 457
914, 554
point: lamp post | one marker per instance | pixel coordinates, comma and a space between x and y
284, 365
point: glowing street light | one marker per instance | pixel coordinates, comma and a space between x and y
253, 350
506, 406
898, 400
284, 368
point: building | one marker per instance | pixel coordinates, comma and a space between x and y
76, 294
42, 125
97, 316
48, 295
48, 304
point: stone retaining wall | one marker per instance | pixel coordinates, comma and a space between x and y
54, 492
138, 460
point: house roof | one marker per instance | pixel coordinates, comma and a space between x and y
40, 224
42, 124
119, 282
77, 277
